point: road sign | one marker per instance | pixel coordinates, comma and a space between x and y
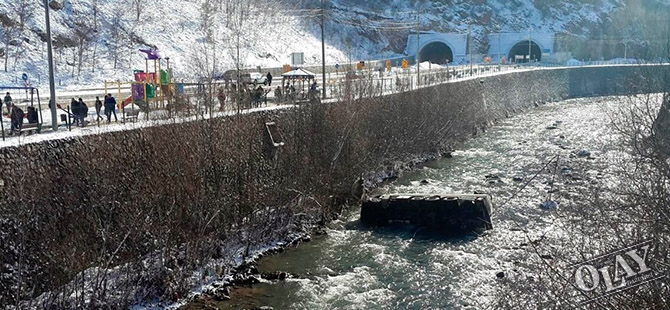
337, 66
297, 59
24, 77
388, 65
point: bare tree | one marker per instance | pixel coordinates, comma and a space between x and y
243, 19
116, 35
25, 10
6, 35
139, 8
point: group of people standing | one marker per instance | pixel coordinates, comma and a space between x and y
15, 113
79, 109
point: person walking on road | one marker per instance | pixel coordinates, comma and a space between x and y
110, 107
98, 107
83, 112
269, 78
8, 103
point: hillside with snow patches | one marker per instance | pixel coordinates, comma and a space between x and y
98, 40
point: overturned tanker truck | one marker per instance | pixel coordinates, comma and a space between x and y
451, 214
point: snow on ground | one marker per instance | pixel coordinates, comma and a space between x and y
179, 37
354, 30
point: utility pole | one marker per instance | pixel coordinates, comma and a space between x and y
499, 49
530, 35
237, 63
470, 47
625, 50
323, 48
52, 83
418, 51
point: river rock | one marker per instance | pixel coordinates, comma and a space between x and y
549, 205
320, 231
250, 280
584, 153
491, 177
517, 179
424, 182
193, 298
221, 293
277, 275
500, 275
264, 308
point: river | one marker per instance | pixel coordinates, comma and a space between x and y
355, 267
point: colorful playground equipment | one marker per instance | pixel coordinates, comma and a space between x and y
149, 89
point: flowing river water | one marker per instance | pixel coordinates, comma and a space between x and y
356, 267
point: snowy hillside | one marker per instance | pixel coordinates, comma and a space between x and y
97, 40
174, 27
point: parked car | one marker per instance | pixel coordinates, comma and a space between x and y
257, 78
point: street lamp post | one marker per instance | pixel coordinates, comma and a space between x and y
323, 49
418, 50
52, 83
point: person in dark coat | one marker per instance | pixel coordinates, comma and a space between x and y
33, 118
8, 102
222, 98
110, 107
269, 77
74, 109
83, 112
17, 119
98, 107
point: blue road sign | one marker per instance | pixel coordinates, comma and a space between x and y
24, 77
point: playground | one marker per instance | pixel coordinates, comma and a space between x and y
22, 113
152, 96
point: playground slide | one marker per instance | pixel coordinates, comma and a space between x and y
126, 102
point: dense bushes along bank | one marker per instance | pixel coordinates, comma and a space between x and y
174, 194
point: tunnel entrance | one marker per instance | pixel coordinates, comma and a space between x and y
437, 53
519, 53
